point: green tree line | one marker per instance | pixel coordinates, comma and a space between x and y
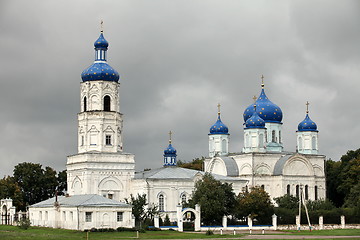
31, 183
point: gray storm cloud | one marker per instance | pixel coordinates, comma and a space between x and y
177, 60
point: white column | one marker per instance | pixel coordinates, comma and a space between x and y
250, 223
224, 222
156, 221
197, 218
179, 218
274, 222
342, 218
321, 222
298, 221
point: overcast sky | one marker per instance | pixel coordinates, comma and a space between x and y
177, 60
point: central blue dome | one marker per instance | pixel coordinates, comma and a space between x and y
266, 110
307, 125
100, 71
255, 121
219, 127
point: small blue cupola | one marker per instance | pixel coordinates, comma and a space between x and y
254, 121
100, 69
267, 110
219, 127
170, 154
307, 125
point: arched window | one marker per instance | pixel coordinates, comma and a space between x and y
306, 192
300, 143
316, 193
313, 143
273, 138
85, 104
261, 141
161, 203
263, 187
297, 191
224, 146
247, 144
279, 136
288, 189
266, 136
107, 102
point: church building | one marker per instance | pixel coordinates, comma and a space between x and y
263, 161
102, 170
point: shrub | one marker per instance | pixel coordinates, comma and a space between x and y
24, 223
209, 232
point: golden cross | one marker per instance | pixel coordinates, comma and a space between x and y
219, 108
307, 106
262, 81
170, 133
102, 25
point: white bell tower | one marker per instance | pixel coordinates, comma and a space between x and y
219, 138
307, 135
100, 167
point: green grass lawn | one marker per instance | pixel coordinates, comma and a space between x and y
334, 232
39, 233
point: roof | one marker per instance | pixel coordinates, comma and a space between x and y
231, 166
178, 173
85, 200
279, 166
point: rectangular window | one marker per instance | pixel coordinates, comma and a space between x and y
88, 216
108, 139
110, 196
119, 216
64, 215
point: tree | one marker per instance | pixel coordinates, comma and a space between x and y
216, 199
10, 189
35, 183
256, 204
342, 176
141, 209
62, 182
196, 164
287, 201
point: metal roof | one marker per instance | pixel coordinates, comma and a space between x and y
178, 173
279, 165
85, 200
231, 166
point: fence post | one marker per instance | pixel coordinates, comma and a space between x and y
224, 222
274, 222
156, 221
342, 218
298, 222
321, 222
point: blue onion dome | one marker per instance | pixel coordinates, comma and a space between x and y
254, 121
101, 42
307, 125
266, 110
170, 150
100, 69
219, 127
